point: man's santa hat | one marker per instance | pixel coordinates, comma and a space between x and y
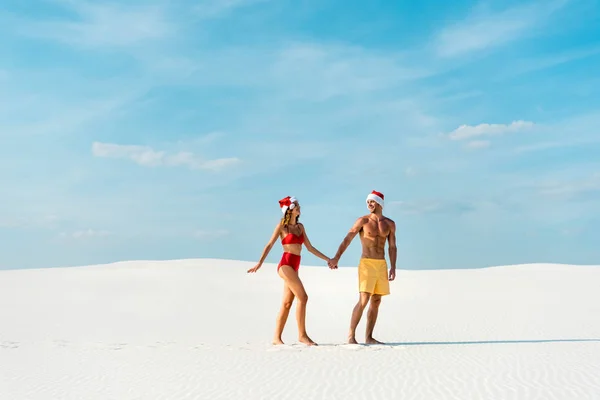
287, 202
377, 196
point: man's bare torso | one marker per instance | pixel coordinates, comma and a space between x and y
373, 236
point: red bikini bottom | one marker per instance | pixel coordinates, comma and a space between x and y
290, 259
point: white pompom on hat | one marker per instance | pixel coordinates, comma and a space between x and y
287, 202
376, 196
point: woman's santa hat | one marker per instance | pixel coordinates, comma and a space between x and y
377, 196
287, 202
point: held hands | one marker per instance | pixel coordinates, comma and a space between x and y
333, 263
255, 268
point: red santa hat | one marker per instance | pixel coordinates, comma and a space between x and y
287, 202
377, 196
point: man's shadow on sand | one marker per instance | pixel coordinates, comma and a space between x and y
474, 342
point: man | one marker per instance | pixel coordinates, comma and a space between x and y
374, 230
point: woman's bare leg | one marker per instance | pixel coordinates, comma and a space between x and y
286, 304
295, 284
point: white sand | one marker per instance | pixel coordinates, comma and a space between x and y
201, 329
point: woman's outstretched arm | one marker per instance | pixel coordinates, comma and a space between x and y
267, 248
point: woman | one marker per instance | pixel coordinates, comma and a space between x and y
292, 235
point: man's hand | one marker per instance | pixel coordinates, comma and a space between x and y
392, 274
255, 268
333, 263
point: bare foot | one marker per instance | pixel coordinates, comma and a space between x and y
307, 341
352, 340
373, 341
277, 341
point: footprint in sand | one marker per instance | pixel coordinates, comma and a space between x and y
283, 347
9, 345
352, 347
376, 347
61, 343
201, 346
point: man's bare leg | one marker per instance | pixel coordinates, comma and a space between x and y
286, 304
295, 284
363, 300
372, 319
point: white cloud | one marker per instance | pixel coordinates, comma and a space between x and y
430, 206
208, 138
484, 30
148, 157
86, 234
467, 131
572, 142
574, 189
219, 164
49, 114
478, 144
410, 172
216, 8
142, 155
572, 231
523, 66
540, 147
104, 25
320, 72
29, 221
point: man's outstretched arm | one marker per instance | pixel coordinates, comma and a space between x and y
348, 239
393, 251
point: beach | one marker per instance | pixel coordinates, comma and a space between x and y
202, 329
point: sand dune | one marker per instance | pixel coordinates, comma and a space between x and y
201, 329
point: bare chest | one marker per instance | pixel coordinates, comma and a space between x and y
376, 228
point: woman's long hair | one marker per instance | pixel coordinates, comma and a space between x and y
285, 220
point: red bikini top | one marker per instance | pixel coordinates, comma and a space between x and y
293, 239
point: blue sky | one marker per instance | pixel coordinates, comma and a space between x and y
170, 129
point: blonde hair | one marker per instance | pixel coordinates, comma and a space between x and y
285, 220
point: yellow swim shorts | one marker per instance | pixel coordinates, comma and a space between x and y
373, 276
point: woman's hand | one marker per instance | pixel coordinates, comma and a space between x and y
332, 263
255, 268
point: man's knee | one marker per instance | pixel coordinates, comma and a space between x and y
375, 300
364, 299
